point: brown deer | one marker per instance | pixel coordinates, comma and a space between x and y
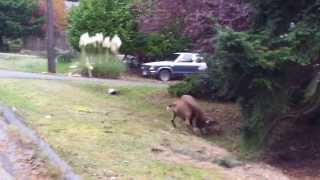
191, 112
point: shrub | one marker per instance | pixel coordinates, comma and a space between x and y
15, 45
194, 85
109, 68
67, 57
105, 16
98, 56
159, 45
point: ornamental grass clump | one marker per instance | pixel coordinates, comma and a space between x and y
99, 56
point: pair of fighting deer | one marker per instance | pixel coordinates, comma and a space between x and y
187, 108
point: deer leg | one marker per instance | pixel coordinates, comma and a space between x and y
193, 122
194, 125
172, 121
203, 131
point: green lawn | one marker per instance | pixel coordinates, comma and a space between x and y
27, 63
101, 135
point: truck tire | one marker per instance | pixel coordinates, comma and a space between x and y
165, 75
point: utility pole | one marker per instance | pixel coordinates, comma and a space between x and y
50, 39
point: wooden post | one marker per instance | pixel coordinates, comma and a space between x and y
50, 39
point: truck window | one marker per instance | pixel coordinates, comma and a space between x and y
186, 58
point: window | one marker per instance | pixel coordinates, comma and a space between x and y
186, 58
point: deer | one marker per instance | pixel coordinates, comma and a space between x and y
188, 109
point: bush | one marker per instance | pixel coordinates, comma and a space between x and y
105, 16
15, 45
104, 66
109, 68
67, 57
194, 85
158, 45
99, 56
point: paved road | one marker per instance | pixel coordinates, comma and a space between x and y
7, 74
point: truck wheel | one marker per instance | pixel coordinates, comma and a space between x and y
165, 75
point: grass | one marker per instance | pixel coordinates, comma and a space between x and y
99, 135
28, 63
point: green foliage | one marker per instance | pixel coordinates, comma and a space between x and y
243, 62
67, 57
15, 45
262, 67
256, 69
193, 85
254, 61
17, 19
106, 16
258, 112
103, 65
115, 17
276, 16
156, 46
110, 68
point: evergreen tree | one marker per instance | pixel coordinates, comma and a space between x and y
18, 19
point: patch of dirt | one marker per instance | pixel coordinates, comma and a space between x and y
227, 115
205, 156
297, 152
19, 158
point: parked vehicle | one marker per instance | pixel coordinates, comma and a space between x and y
131, 61
176, 65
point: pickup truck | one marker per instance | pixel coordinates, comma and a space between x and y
177, 65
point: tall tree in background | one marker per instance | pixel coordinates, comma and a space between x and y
195, 19
17, 19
